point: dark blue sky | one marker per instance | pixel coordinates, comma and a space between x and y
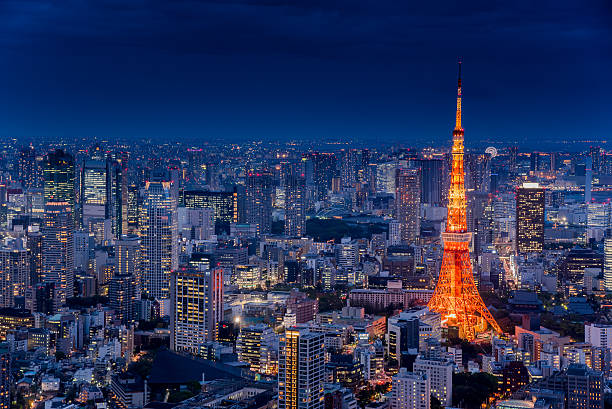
273, 69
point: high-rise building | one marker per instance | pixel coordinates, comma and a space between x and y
456, 297
432, 177
196, 300
255, 346
58, 248
118, 197
403, 336
530, 218
607, 271
128, 258
14, 272
295, 205
410, 390
5, 376
301, 370
94, 192
440, 375
123, 292
34, 245
159, 238
27, 168
408, 203
259, 200
133, 209
224, 204
58, 175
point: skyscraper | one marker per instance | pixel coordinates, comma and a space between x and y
14, 272
27, 168
58, 175
408, 203
259, 200
608, 264
196, 299
58, 248
529, 218
128, 257
410, 390
94, 190
159, 237
255, 346
456, 297
295, 204
5, 376
301, 370
123, 292
431, 181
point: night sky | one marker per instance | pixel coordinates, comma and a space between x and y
279, 70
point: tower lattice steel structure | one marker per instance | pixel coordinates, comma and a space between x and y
456, 297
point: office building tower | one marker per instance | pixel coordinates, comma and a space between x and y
440, 374
530, 218
94, 193
58, 175
607, 271
195, 158
588, 180
295, 205
255, 346
27, 168
128, 258
133, 209
403, 336
34, 244
432, 178
512, 160
301, 370
323, 169
408, 203
158, 227
259, 200
410, 390
348, 167
196, 301
118, 197
224, 204
123, 292
5, 376
14, 271
535, 162
58, 248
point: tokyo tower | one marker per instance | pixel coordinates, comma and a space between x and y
456, 298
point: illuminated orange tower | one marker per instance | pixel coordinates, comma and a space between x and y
456, 297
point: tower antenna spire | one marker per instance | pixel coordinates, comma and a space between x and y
458, 115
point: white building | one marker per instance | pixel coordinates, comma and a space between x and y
440, 374
410, 390
598, 335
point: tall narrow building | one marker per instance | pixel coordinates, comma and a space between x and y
456, 297
529, 218
196, 300
58, 249
301, 367
159, 237
27, 168
259, 200
408, 203
14, 271
58, 175
295, 205
608, 263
